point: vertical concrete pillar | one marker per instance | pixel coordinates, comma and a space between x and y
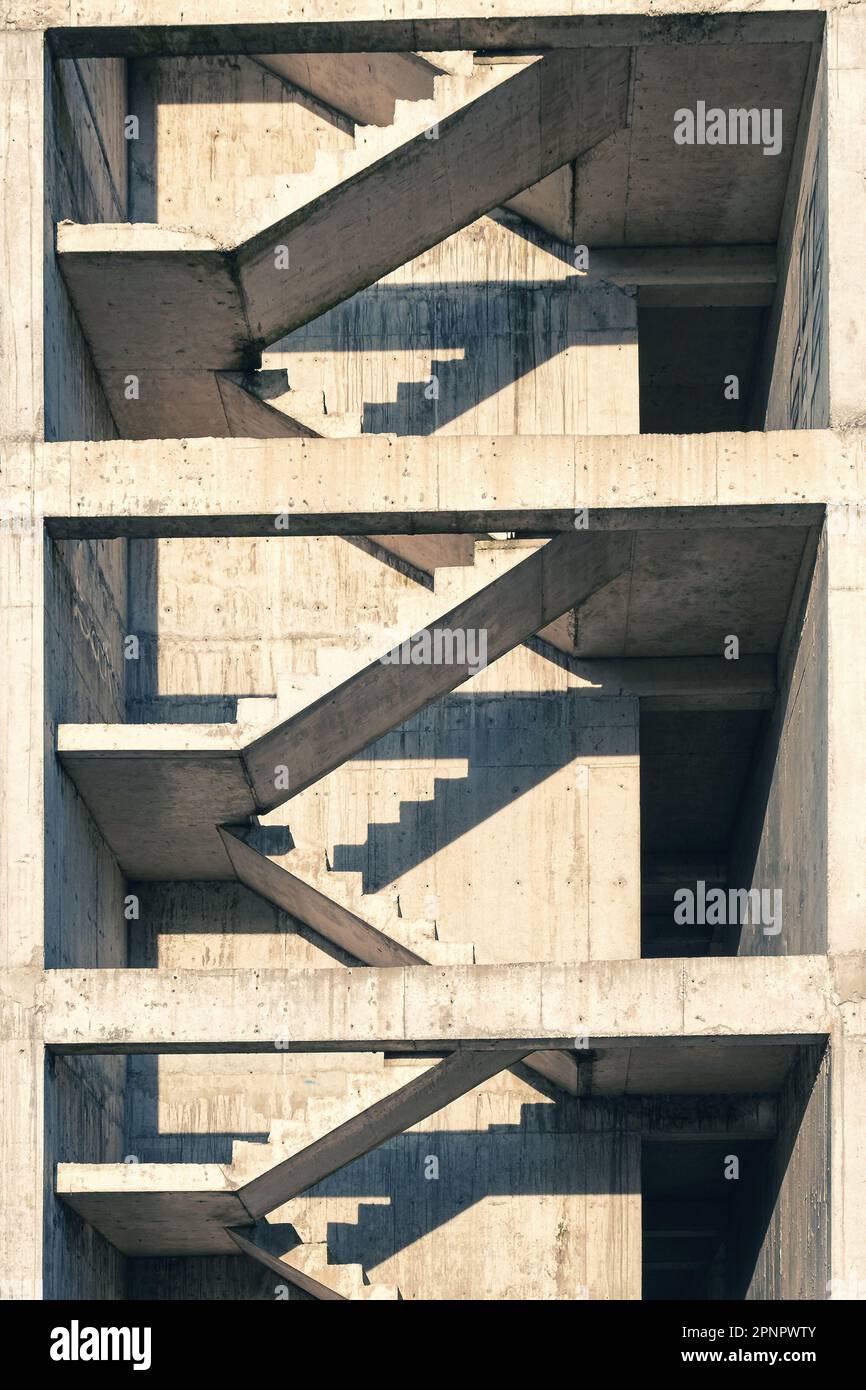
846, 212
21, 660
846, 853
845, 52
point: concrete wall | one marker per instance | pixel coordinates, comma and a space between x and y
846, 213
85, 180
216, 136
61, 654
799, 391
846, 854
491, 332
781, 840
792, 1208
84, 624
85, 586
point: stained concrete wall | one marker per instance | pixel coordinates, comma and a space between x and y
790, 1214
799, 390
491, 332
846, 855
846, 213
204, 1278
217, 136
55, 637
85, 587
85, 620
85, 180
781, 841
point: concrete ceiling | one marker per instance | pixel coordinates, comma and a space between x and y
687, 590
639, 188
705, 1068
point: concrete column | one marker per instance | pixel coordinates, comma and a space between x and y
846, 212
21, 659
846, 850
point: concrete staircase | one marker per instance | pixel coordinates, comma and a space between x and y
275, 1237
272, 199
349, 1281
381, 909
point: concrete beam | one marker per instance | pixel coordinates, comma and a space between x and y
685, 683
98, 29
334, 922
382, 484
407, 1106
543, 1006
298, 752
685, 268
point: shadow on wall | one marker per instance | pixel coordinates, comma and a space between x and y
496, 333
538, 1158
511, 743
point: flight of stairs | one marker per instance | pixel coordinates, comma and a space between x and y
350, 1281
269, 199
381, 909
308, 1218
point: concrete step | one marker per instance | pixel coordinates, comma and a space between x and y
270, 199
381, 910
317, 1116
349, 1280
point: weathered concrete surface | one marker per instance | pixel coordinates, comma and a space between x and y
782, 835
564, 573
367, 485
403, 1010
101, 29
70, 605
364, 86
845, 50
793, 1260
414, 1101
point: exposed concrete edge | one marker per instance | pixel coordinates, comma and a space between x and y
532, 1006
295, 895
104, 30
385, 484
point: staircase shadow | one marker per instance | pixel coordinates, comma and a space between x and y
473, 1166
512, 743
504, 329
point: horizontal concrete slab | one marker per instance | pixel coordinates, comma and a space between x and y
97, 29
384, 484
159, 791
734, 1000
